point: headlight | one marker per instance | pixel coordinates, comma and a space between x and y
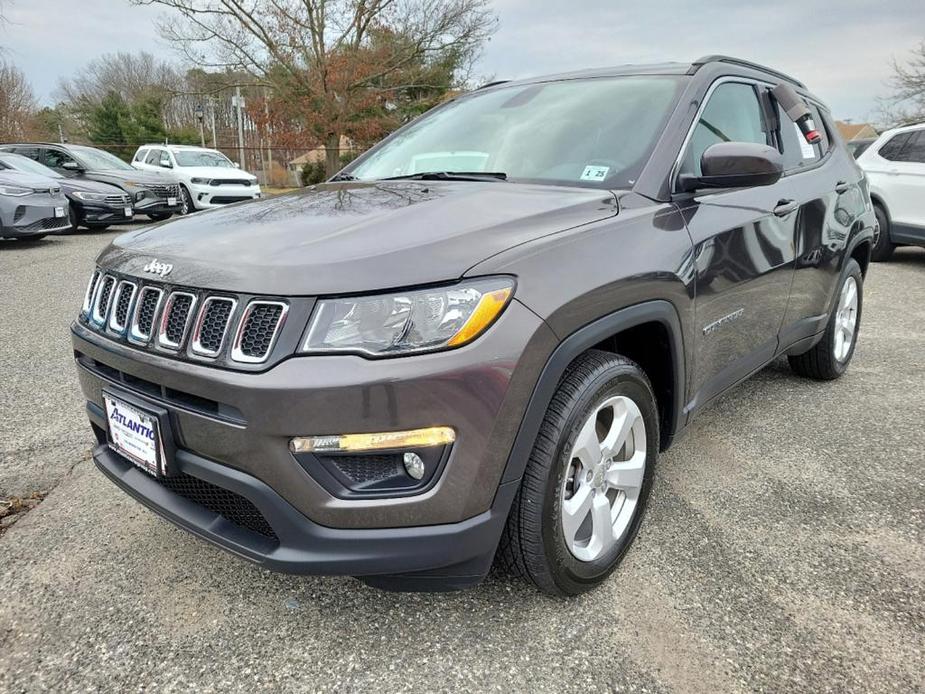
15, 191
140, 195
90, 197
201, 181
406, 322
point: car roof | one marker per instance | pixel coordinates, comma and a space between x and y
178, 148
908, 127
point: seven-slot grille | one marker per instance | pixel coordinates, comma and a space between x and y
118, 199
154, 316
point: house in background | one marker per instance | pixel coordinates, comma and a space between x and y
856, 131
314, 156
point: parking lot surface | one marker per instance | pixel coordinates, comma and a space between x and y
783, 549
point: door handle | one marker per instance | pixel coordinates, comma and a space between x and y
785, 207
842, 187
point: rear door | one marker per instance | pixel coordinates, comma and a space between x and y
907, 189
743, 249
826, 183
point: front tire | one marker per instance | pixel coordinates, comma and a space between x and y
830, 357
160, 216
187, 201
883, 247
586, 484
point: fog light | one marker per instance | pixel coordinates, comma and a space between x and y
390, 440
414, 466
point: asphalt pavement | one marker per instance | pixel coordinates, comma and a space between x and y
783, 549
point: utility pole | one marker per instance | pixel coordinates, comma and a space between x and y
200, 115
61, 136
214, 138
266, 110
239, 104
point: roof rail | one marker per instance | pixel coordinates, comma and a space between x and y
700, 62
492, 84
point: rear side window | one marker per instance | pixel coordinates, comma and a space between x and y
732, 114
912, 150
796, 151
893, 149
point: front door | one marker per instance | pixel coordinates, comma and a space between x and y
743, 251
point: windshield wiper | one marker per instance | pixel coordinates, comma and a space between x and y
451, 176
344, 177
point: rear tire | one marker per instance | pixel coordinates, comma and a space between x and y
883, 247
548, 539
830, 357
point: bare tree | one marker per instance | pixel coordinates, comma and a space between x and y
17, 102
338, 64
907, 103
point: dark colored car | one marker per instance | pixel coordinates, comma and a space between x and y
154, 195
475, 342
31, 206
92, 205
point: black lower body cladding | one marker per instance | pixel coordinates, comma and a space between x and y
233, 430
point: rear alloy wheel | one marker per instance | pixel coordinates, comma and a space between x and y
583, 493
883, 247
830, 357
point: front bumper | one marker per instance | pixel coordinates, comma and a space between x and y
34, 218
481, 390
100, 213
206, 197
438, 556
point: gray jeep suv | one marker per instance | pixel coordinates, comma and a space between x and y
475, 341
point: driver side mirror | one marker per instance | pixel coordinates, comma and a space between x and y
71, 166
165, 164
735, 165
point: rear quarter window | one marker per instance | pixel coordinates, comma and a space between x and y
893, 148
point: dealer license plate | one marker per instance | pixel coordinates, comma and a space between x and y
129, 212
135, 434
171, 202
59, 212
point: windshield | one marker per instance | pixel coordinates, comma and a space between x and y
585, 132
98, 159
193, 158
21, 163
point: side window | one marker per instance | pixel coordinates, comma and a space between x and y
732, 114
797, 152
893, 148
31, 152
914, 149
154, 158
55, 158
140, 155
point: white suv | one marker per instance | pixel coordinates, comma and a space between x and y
895, 167
207, 177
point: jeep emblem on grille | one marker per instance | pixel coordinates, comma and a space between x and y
156, 268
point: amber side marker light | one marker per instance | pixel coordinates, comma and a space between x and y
415, 438
489, 308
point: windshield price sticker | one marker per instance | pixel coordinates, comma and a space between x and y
595, 173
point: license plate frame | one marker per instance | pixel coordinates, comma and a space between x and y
119, 438
172, 202
129, 212
59, 212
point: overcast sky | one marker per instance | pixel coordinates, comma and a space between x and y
840, 49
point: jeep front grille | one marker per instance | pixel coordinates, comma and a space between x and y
234, 331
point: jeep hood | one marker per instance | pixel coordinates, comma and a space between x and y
355, 237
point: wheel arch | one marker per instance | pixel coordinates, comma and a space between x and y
612, 332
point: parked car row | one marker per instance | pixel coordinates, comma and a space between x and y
95, 189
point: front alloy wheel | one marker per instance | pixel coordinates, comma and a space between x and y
604, 478
585, 486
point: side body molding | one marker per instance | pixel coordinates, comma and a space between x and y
584, 338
